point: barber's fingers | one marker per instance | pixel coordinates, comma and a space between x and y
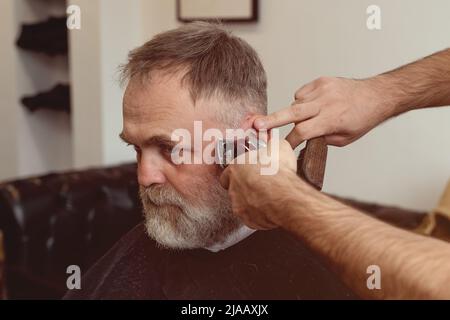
249, 157
295, 113
250, 224
305, 91
304, 131
266, 225
307, 97
339, 140
256, 223
224, 178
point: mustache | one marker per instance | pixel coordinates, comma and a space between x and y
161, 195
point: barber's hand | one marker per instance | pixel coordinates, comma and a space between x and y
342, 110
258, 199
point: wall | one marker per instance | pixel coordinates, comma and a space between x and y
8, 97
406, 161
121, 32
39, 141
85, 77
109, 29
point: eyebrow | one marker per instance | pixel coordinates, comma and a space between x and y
158, 140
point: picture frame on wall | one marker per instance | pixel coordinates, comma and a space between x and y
214, 10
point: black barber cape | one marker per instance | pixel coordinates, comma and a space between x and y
266, 265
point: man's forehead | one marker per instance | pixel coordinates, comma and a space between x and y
148, 111
157, 137
154, 101
160, 107
158, 85
140, 127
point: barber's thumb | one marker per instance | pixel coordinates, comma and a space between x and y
224, 178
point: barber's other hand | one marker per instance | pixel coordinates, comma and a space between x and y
342, 110
258, 199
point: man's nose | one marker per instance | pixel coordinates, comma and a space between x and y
150, 170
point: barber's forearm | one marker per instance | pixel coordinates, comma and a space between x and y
420, 84
411, 266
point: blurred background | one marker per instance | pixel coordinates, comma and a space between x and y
60, 114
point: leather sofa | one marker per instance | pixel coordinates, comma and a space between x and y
62, 219
73, 218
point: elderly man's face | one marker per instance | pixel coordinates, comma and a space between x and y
184, 205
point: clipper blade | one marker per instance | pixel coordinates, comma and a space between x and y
228, 150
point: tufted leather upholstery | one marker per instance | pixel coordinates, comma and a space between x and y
60, 219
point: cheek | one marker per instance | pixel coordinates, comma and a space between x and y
190, 180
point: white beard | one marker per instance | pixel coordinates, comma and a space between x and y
176, 223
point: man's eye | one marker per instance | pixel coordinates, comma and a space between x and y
166, 149
179, 150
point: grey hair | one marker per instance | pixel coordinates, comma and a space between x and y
216, 64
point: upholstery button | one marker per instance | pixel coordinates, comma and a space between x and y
50, 243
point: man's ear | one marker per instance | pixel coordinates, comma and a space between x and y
247, 123
248, 120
